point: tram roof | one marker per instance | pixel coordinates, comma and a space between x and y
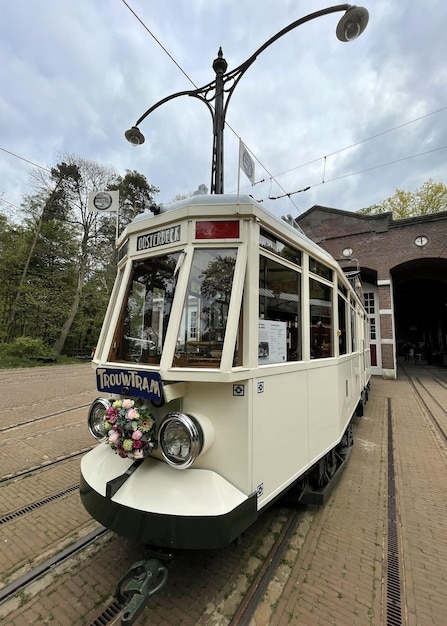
215, 200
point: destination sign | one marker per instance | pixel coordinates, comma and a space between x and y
135, 383
159, 238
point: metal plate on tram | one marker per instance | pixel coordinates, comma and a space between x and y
147, 385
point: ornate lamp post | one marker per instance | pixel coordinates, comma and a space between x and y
220, 90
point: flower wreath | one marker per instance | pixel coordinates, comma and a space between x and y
130, 429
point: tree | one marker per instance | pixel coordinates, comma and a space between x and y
53, 208
14, 241
57, 268
431, 197
136, 196
79, 177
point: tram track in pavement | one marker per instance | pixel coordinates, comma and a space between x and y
436, 415
435, 411
43, 466
41, 418
253, 594
112, 612
241, 595
27, 579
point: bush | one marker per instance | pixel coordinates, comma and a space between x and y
26, 347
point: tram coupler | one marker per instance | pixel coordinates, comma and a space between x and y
140, 582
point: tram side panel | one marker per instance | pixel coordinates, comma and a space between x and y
280, 432
350, 385
325, 430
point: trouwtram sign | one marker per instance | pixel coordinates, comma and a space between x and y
158, 238
146, 385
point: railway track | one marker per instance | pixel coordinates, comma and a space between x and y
34, 420
429, 398
272, 535
43, 466
248, 594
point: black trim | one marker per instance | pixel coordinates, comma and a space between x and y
169, 531
116, 483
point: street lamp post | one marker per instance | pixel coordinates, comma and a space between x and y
220, 90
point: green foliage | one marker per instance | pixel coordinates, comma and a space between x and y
26, 347
58, 266
136, 196
431, 197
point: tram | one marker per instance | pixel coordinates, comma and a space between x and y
232, 361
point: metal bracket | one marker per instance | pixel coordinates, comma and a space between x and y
140, 582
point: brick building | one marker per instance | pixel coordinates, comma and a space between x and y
403, 267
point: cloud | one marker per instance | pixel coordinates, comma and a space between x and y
76, 75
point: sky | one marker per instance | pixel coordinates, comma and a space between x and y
349, 122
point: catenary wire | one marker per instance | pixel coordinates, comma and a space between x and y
274, 177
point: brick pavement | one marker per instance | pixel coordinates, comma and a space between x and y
337, 576
334, 572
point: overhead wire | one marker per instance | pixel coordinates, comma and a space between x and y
368, 169
274, 177
194, 84
17, 156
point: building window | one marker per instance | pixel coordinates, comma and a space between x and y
369, 303
193, 325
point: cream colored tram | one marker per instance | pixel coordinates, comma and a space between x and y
244, 345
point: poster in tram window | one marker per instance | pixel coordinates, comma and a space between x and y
272, 342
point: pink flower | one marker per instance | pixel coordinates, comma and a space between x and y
128, 404
137, 434
113, 436
137, 444
132, 414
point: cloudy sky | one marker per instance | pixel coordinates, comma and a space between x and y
351, 121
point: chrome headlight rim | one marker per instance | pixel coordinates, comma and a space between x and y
194, 433
95, 423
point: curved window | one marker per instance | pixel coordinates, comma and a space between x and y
205, 311
144, 317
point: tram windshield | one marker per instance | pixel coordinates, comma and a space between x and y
144, 318
205, 310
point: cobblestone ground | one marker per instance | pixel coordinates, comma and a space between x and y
335, 570
337, 576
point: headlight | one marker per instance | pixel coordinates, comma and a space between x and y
181, 439
96, 417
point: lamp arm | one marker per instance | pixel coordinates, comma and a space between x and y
195, 93
236, 74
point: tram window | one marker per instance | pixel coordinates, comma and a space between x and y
144, 318
320, 320
318, 268
272, 243
205, 311
353, 330
279, 325
342, 325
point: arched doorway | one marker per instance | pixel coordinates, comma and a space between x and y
420, 307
